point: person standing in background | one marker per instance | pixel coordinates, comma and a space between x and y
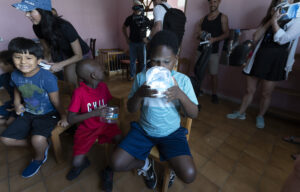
215, 23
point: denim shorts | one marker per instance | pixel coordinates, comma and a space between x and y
138, 144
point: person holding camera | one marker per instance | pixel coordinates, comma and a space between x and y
138, 24
271, 61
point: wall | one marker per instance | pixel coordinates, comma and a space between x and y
91, 18
242, 14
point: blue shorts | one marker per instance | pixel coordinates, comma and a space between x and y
138, 144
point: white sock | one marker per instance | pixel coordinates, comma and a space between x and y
146, 166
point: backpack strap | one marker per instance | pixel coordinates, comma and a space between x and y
166, 8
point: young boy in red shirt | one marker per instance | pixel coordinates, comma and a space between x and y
87, 104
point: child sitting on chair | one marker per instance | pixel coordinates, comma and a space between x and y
159, 126
7, 113
38, 113
87, 104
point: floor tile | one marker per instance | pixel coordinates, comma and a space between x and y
246, 176
18, 183
268, 185
223, 161
234, 185
39, 187
4, 185
201, 184
229, 151
199, 160
214, 173
3, 171
252, 163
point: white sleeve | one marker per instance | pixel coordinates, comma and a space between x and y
292, 33
159, 13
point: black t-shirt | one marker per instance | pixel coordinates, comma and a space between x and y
138, 27
69, 36
214, 27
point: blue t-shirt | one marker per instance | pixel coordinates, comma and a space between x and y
160, 118
35, 90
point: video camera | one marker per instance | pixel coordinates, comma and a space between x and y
287, 10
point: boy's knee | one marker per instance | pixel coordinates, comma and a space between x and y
6, 141
189, 175
116, 163
38, 139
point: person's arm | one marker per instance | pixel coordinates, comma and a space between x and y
281, 36
19, 107
76, 48
158, 26
260, 32
190, 108
125, 33
54, 98
74, 118
225, 28
134, 102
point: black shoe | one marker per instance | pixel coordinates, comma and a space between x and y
172, 178
214, 99
75, 171
107, 179
150, 177
199, 107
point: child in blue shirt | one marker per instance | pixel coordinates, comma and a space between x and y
36, 102
7, 114
159, 126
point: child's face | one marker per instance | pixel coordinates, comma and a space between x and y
5, 67
26, 63
163, 56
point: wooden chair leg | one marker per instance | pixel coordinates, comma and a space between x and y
57, 147
165, 184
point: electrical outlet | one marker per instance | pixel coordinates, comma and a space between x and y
1, 39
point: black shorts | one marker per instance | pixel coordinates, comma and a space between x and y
30, 124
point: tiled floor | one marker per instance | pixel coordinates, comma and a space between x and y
230, 155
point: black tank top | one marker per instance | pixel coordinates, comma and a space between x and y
214, 27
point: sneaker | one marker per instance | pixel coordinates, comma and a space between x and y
172, 178
236, 115
32, 168
46, 152
199, 107
107, 179
260, 122
75, 171
215, 99
150, 177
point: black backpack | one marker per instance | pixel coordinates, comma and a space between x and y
174, 21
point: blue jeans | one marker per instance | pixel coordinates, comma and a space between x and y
137, 51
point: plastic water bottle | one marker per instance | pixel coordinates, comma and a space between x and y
111, 115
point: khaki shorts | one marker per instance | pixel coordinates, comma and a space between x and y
213, 63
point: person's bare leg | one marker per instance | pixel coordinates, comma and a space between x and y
39, 144
10, 120
14, 142
214, 84
123, 161
251, 84
70, 74
184, 168
266, 95
78, 160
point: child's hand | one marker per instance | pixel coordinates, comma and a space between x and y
173, 92
63, 122
100, 112
20, 109
146, 91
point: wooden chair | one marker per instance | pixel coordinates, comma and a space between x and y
65, 96
154, 154
93, 47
